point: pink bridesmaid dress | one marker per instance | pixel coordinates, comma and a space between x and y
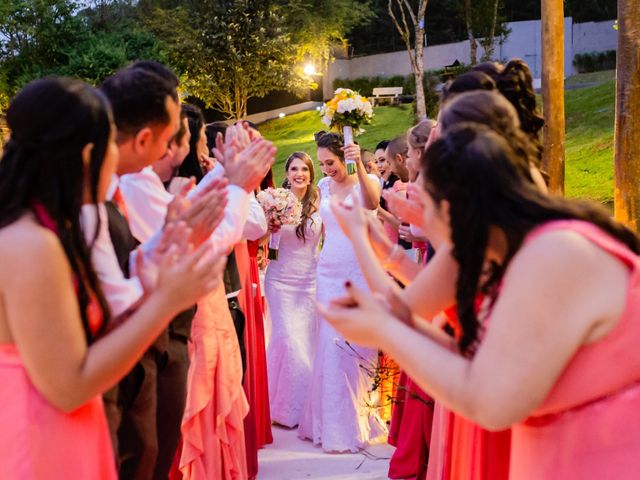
213, 445
36, 439
588, 427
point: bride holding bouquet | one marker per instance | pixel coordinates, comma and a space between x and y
290, 290
340, 413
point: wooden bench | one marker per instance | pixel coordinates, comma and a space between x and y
386, 93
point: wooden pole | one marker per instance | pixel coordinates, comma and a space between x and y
627, 123
553, 92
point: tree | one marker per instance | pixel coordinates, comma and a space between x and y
34, 38
314, 39
627, 123
483, 24
553, 92
415, 23
229, 52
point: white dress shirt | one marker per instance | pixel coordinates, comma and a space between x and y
120, 292
146, 198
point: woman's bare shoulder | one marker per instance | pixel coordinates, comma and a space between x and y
25, 244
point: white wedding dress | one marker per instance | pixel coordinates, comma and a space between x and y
340, 413
290, 291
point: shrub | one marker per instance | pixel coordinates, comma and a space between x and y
595, 61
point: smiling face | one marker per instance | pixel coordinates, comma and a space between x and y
298, 174
331, 165
383, 165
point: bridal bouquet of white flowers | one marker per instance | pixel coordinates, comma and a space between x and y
347, 111
281, 207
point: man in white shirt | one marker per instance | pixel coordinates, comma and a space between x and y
147, 202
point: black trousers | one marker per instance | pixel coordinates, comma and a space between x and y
131, 413
173, 366
239, 322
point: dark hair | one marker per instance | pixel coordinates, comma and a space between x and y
382, 145
492, 69
212, 129
159, 69
331, 141
42, 165
494, 111
138, 97
310, 197
398, 146
467, 82
267, 181
479, 174
191, 166
516, 84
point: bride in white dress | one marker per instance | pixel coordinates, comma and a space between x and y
290, 290
340, 413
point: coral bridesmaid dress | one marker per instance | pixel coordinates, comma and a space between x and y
212, 427
588, 427
36, 439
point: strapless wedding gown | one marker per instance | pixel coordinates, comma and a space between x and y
290, 291
340, 414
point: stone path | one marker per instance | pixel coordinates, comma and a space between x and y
290, 458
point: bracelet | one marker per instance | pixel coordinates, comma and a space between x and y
395, 255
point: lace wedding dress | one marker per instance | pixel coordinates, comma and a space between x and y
340, 413
290, 291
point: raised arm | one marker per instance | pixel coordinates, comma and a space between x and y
48, 331
528, 342
432, 288
370, 188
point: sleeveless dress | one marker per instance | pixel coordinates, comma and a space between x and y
213, 443
257, 423
461, 449
36, 439
341, 412
588, 427
290, 289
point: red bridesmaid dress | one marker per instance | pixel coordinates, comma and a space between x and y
257, 423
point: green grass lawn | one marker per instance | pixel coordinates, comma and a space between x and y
295, 133
588, 147
589, 142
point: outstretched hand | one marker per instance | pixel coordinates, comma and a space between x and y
351, 218
409, 208
361, 317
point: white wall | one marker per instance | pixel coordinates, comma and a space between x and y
594, 37
523, 42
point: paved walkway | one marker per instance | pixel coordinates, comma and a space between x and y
290, 458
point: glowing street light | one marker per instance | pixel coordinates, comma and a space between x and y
309, 69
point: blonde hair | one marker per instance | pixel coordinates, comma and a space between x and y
418, 135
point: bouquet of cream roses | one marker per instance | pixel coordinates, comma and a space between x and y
281, 207
347, 111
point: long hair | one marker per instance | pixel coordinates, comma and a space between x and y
467, 82
516, 83
310, 197
191, 167
496, 112
480, 175
42, 164
418, 135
